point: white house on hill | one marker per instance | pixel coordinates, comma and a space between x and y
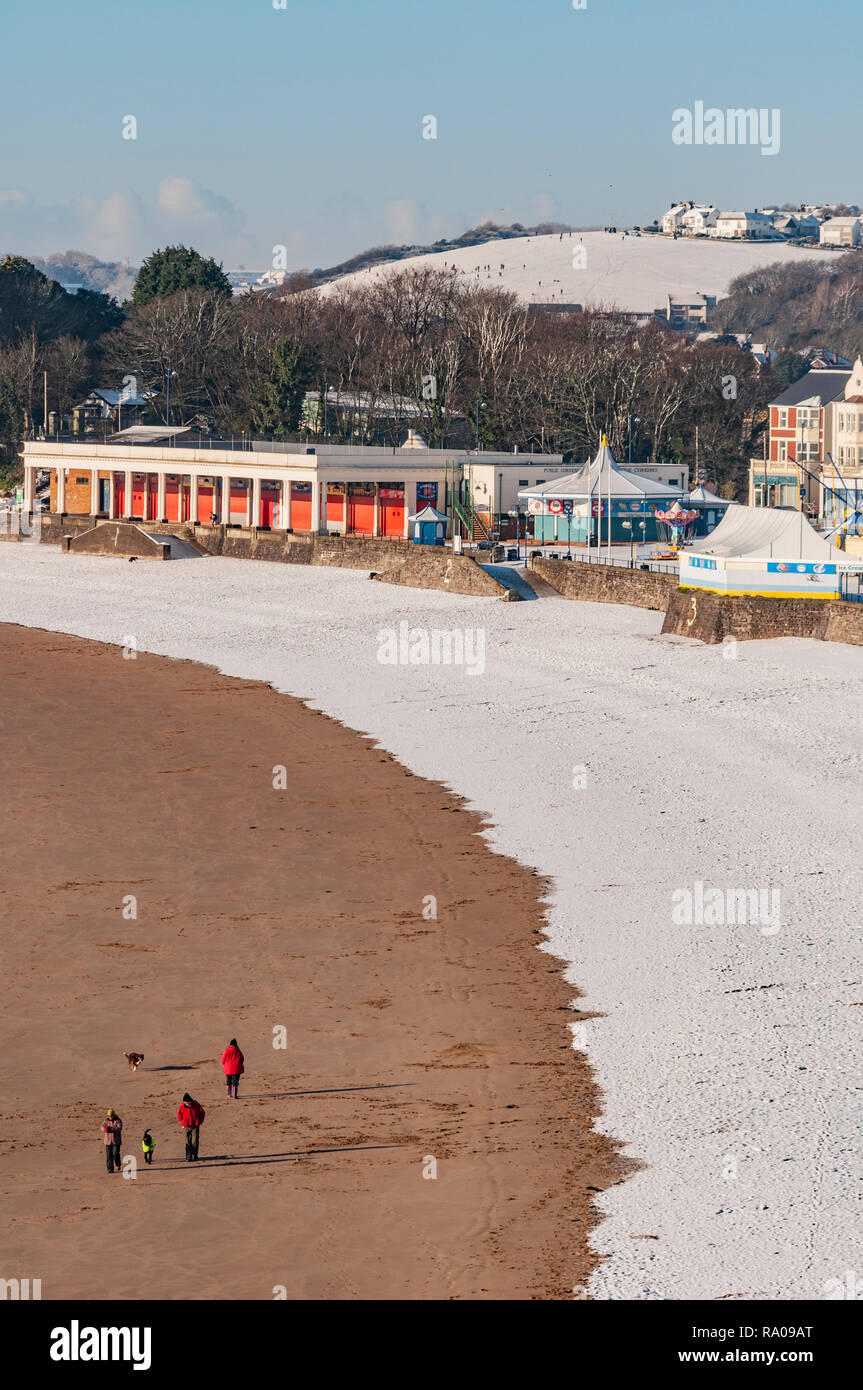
752, 226
699, 219
672, 221
840, 231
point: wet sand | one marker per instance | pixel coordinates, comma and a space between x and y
409, 1037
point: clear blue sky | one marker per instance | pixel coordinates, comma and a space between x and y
303, 126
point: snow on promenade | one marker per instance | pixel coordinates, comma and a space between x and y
729, 1053
634, 273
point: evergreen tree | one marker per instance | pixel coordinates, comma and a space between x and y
29, 301
280, 407
177, 268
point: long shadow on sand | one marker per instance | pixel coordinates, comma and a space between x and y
331, 1091
189, 1066
244, 1160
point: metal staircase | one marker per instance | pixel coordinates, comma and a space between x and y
474, 527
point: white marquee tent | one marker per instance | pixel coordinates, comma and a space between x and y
766, 550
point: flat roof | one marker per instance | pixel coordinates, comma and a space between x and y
163, 440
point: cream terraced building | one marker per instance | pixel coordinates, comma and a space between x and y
334, 488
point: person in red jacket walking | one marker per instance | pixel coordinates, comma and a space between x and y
232, 1066
191, 1116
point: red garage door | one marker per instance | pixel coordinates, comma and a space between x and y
361, 514
172, 500
139, 483
239, 503
206, 502
153, 498
119, 494
335, 508
269, 497
392, 521
301, 507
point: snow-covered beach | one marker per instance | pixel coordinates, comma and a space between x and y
632, 770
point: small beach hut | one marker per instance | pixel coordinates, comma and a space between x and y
429, 526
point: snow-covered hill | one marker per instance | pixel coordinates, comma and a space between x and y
591, 268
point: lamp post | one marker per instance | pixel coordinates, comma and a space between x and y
627, 526
630, 419
168, 376
480, 405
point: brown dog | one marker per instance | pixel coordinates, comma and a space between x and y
134, 1059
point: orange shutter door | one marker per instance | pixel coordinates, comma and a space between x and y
392, 516
301, 511
206, 506
361, 516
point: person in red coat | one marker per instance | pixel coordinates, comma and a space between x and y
232, 1066
191, 1117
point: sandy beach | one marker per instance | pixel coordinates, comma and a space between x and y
408, 1037
623, 767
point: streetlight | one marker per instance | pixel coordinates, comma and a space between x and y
168, 376
627, 526
517, 515
638, 422
479, 405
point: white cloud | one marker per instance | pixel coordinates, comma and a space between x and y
125, 224
114, 227
183, 203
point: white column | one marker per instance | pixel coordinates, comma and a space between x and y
225, 501
256, 502
249, 502
61, 490
160, 498
286, 504
193, 499
29, 488
324, 494
316, 506
376, 528
410, 503
127, 500
94, 492
145, 505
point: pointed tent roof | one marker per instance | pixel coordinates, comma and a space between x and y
768, 533
601, 476
701, 496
